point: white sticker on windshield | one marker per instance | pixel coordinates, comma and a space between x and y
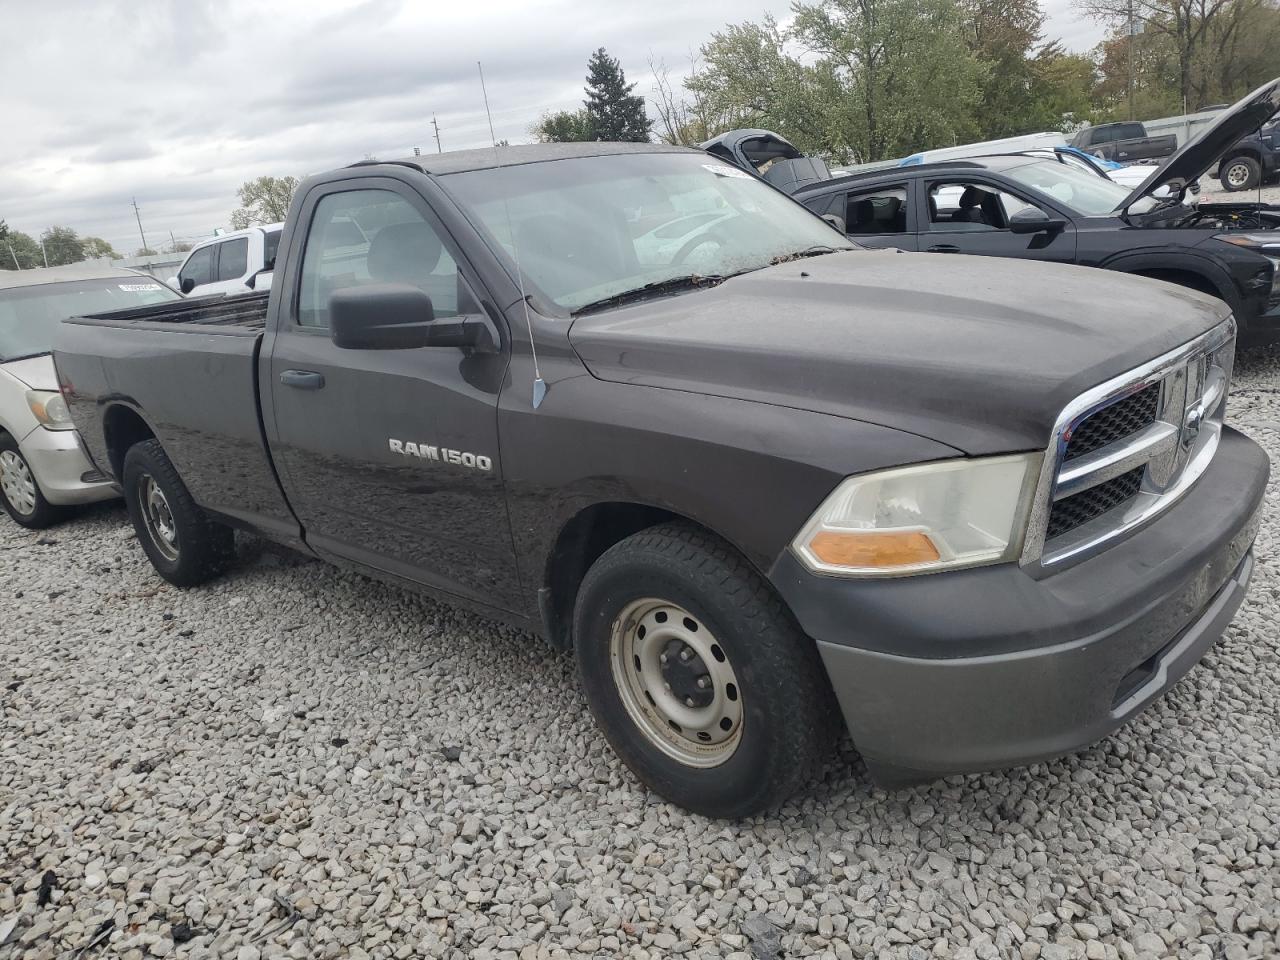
137, 287
720, 170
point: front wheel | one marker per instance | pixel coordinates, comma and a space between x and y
1240, 173
182, 543
19, 491
697, 674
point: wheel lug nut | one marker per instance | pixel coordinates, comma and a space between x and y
667, 687
688, 701
704, 682
662, 658
686, 654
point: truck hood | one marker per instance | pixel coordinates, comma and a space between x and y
981, 354
36, 372
1198, 155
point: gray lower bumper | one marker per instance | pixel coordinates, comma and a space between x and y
989, 667
946, 716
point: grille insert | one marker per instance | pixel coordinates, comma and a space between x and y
1114, 422
1075, 511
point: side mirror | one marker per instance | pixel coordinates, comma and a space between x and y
174, 283
1035, 220
835, 220
187, 285
397, 316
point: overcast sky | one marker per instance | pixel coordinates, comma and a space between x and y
177, 102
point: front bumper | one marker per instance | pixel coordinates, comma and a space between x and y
988, 668
62, 469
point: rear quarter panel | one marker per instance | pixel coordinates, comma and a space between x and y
196, 392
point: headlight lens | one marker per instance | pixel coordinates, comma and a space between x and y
50, 408
936, 516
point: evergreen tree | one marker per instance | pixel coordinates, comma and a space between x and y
616, 113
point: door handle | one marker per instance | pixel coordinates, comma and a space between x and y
302, 379
943, 248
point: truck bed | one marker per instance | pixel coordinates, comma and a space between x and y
188, 371
243, 312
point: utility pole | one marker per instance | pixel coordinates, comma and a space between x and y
1132, 41
44, 253
139, 218
16, 264
173, 244
437, 129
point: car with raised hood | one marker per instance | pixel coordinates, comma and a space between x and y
1036, 208
43, 469
762, 485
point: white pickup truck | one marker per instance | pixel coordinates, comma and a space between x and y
231, 262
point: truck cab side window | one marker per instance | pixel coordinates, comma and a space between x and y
233, 259
362, 237
199, 266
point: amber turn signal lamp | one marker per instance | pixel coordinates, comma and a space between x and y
872, 548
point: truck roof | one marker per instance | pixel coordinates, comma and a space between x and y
73, 271
487, 158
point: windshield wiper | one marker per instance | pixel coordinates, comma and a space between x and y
692, 281
815, 251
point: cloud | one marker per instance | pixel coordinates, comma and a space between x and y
178, 103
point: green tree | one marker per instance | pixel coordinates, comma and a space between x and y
1004, 35
263, 200
616, 113
95, 248
20, 246
563, 126
749, 80
62, 245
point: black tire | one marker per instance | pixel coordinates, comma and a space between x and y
1239, 173
41, 512
789, 718
200, 549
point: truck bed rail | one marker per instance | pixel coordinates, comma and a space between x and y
247, 312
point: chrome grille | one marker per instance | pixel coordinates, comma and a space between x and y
1126, 450
1113, 422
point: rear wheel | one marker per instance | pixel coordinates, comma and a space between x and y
19, 491
1240, 173
182, 543
697, 674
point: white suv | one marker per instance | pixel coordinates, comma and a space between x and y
231, 263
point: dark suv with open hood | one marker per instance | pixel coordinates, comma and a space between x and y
1039, 208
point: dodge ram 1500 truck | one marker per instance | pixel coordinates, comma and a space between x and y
760, 481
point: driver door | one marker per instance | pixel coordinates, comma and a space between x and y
967, 215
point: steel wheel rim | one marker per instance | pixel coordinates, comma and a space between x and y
18, 484
1238, 174
656, 680
157, 517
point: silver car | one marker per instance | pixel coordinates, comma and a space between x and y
43, 469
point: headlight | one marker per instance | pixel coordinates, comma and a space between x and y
50, 409
936, 516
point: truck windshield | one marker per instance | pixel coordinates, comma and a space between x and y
1085, 194
590, 228
29, 316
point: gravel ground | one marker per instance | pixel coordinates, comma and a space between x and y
299, 762
1212, 190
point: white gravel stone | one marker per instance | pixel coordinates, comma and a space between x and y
298, 762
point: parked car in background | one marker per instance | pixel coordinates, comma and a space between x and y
1124, 142
763, 480
1045, 140
1129, 176
230, 263
769, 156
1046, 209
1252, 160
42, 466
